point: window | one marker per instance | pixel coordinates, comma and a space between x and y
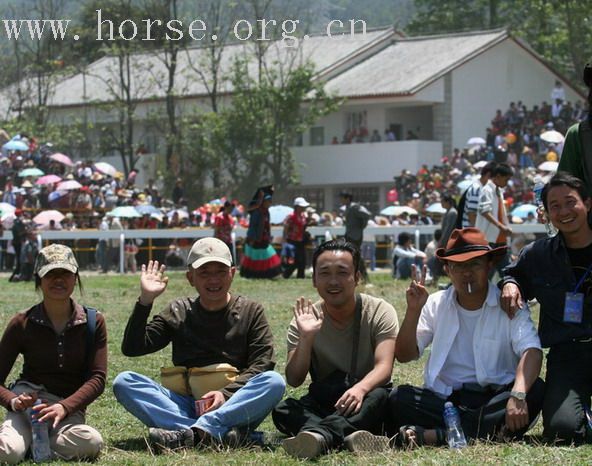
317, 136
297, 140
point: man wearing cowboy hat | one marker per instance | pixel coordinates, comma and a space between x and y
480, 359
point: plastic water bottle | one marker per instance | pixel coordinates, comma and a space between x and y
454, 433
40, 449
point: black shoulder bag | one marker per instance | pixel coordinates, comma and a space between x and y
328, 390
91, 329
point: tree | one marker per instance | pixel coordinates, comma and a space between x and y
265, 114
559, 30
124, 74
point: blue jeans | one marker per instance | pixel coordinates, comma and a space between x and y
156, 406
404, 266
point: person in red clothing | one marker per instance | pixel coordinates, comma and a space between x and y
60, 368
224, 224
294, 235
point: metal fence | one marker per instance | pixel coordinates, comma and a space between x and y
155, 243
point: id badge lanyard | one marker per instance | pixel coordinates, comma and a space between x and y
573, 311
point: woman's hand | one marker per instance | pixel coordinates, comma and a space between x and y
52, 414
23, 401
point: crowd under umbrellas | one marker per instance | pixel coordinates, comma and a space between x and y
56, 192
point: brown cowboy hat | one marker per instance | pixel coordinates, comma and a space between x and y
466, 244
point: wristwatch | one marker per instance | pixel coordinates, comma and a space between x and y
518, 395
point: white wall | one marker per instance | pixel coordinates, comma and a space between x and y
366, 163
503, 74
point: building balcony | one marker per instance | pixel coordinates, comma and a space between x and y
363, 163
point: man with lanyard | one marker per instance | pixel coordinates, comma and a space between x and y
557, 272
480, 360
294, 234
492, 219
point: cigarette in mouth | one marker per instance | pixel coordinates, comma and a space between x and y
469, 288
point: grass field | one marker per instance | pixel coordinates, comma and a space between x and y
125, 437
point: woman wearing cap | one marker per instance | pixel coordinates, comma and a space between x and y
576, 157
65, 364
259, 257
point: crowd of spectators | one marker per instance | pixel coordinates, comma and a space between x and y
514, 137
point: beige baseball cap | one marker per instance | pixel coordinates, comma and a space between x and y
206, 250
55, 256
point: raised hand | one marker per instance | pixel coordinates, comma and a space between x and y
416, 294
153, 282
308, 324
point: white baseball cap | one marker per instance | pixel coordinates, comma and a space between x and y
300, 202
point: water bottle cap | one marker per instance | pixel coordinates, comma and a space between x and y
448, 404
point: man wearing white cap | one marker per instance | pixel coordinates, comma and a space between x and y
223, 384
295, 235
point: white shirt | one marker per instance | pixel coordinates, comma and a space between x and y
489, 202
459, 366
498, 341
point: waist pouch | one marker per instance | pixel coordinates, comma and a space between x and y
197, 381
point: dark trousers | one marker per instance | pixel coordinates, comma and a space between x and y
299, 260
363, 270
17, 260
568, 390
481, 414
292, 416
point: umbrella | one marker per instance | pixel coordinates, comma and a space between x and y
44, 217
147, 209
7, 220
6, 208
396, 210
182, 213
31, 172
69, 185
548, 166
436, 208
126, 211
55, 195
15, 144
48, 179
106, 168
523, 210
476, 141
62, 158
480, 164
278, 213
553, 137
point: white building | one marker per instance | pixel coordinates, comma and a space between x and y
445, 89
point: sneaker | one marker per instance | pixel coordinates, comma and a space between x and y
364, 441
306, 445
163, 439
237, 437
